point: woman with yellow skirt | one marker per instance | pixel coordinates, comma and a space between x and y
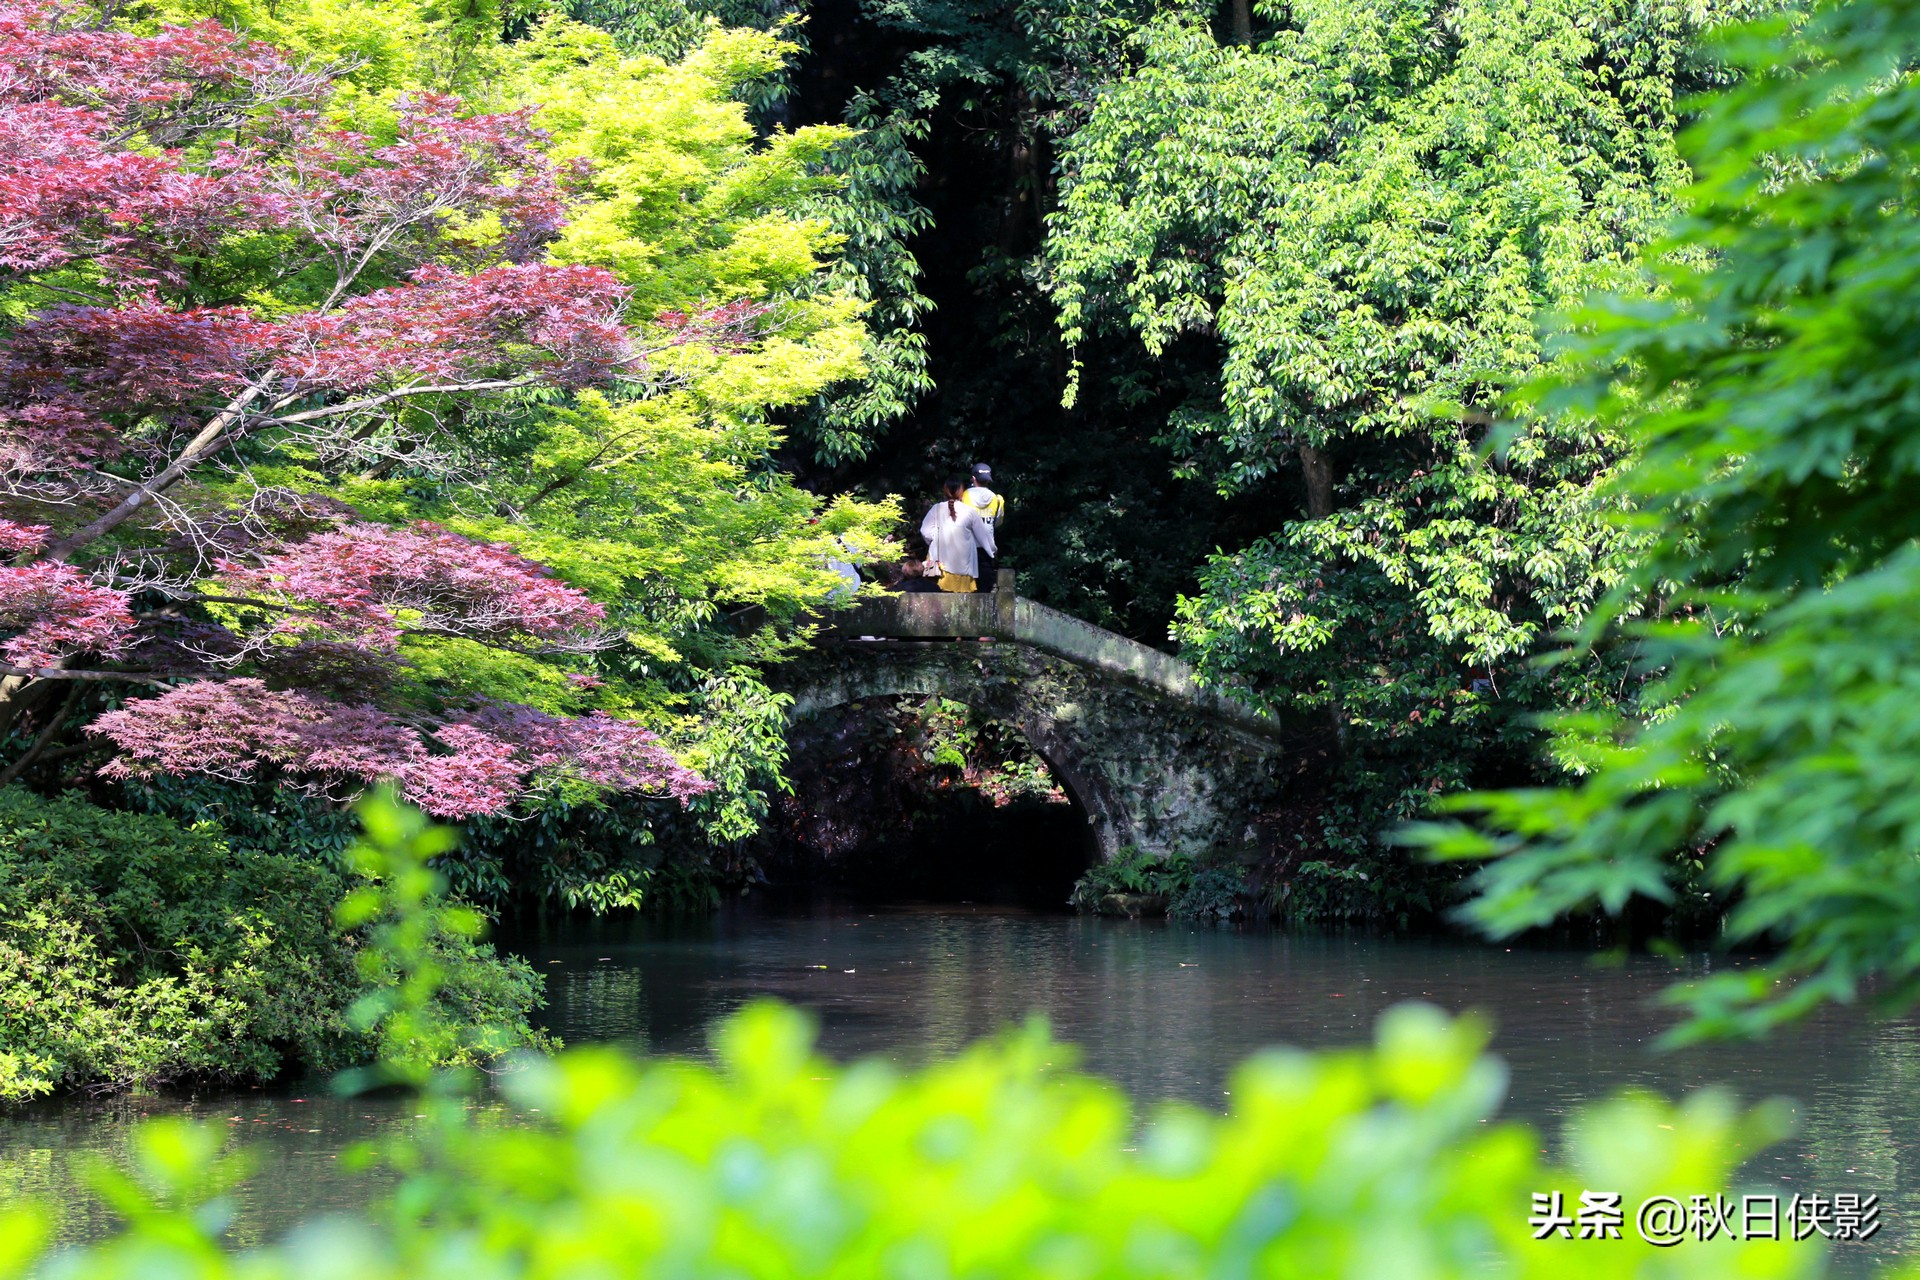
956, 534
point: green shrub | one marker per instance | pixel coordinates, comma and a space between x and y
998, 1163
135, 951
1174, 883
436, 997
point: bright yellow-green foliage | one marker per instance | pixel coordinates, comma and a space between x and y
668, 496
662, 500
660, 495
448, 45
999, 1163
684, 206
689, 210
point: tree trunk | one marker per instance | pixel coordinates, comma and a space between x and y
1318, 470
1042, 182
19, 695
55, 718
1014, 216
202, 446
1242, 22
12, 701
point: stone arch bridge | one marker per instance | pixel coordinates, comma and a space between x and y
1155, 760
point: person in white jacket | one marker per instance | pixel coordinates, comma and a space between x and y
956, 534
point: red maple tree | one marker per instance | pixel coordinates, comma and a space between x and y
124, 161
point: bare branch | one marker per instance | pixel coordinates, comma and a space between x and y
134, 677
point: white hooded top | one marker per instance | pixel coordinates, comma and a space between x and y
957, 540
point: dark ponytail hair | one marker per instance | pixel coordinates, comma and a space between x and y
956, 488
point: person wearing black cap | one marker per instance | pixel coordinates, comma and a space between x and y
991, 507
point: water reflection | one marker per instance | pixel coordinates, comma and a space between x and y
1163, 1010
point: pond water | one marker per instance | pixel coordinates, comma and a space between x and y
1164, 1010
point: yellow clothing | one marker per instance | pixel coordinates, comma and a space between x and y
960, 583
955, 539
988, 503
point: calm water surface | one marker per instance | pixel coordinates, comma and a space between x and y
1163, 1010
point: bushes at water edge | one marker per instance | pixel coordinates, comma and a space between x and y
135, 951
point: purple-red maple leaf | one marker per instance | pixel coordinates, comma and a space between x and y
127, 160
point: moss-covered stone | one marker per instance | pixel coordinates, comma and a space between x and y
1156, 762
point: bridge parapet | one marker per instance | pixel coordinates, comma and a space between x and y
1157, 762
927, 616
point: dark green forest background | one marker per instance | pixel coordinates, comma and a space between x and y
1229, 296
945, 203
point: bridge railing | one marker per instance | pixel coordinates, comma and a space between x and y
932, 615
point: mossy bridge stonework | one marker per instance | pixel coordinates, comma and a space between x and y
1156, 761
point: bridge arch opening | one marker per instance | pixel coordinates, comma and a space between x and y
917, 796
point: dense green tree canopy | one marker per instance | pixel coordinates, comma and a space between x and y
1372, 211
1369, 211
1769, 392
